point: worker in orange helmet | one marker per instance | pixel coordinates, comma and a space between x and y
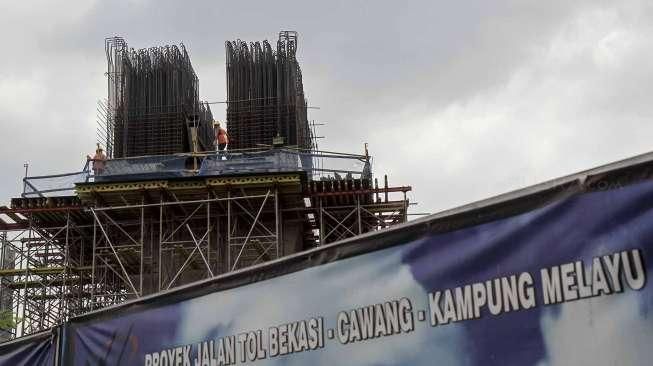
221, 137
99, 160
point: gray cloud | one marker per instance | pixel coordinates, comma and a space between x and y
461, 100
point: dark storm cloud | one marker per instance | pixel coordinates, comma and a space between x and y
459, 99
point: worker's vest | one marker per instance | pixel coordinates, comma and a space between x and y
221, 136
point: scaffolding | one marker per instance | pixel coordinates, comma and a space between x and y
44, 278
166, 210
138, 230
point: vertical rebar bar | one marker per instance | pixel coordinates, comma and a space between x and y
265, 94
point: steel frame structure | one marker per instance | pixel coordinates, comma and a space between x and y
156, 218
153, 101
118, 241
106, 253
149, 247
265, 94
45, 282
341, 222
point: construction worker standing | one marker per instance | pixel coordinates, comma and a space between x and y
99, 160
221, 137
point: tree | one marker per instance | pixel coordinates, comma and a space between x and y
7, 319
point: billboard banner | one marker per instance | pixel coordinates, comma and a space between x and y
562, 283
35, 350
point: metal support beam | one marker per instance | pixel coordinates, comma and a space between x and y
106, 237
258, 214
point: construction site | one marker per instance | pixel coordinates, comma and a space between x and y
165, 208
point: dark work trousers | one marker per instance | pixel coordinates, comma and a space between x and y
221, 148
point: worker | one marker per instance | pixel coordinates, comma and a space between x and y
221, 137
99, 160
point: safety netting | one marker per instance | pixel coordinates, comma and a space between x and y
318, 165
53, 185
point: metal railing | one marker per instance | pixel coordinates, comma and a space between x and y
54, 185
318, 165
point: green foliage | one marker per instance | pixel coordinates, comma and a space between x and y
7, 319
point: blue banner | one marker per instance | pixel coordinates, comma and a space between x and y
35, 350
564, 283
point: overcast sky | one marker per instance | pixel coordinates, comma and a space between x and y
460, 99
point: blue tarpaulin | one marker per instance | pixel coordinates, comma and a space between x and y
552, 275
35, 350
